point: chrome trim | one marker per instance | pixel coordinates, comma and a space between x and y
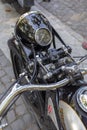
26, 14
17, 89
78, 98
49, 33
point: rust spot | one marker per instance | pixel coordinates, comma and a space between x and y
8, 10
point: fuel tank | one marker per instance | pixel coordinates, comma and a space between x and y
69, 117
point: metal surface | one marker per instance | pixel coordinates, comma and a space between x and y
70, 119
81, 98
17, 89
40, 37
29, 24
52, 113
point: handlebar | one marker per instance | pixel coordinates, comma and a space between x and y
18, 89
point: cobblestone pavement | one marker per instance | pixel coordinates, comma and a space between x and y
72, 12
18, 118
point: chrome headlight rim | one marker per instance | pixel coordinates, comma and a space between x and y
39, 43
79, 95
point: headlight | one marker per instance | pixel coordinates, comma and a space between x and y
43, 36
82, 98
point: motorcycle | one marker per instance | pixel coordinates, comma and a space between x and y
49, 78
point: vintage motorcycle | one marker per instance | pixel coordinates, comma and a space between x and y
47, 75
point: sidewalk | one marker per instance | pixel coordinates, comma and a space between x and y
71, 12
70, 37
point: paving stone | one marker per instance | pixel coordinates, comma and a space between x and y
11, 116
28, 119
4, 61
2, 73
1, 53
72, 12
18, 125
6, 79
8, 128
34, 127
2, 88
9, 71
19, 101
20, 110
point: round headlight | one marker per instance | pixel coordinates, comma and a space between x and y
43, 36
82, 98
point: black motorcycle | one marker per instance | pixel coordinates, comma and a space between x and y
47, 75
